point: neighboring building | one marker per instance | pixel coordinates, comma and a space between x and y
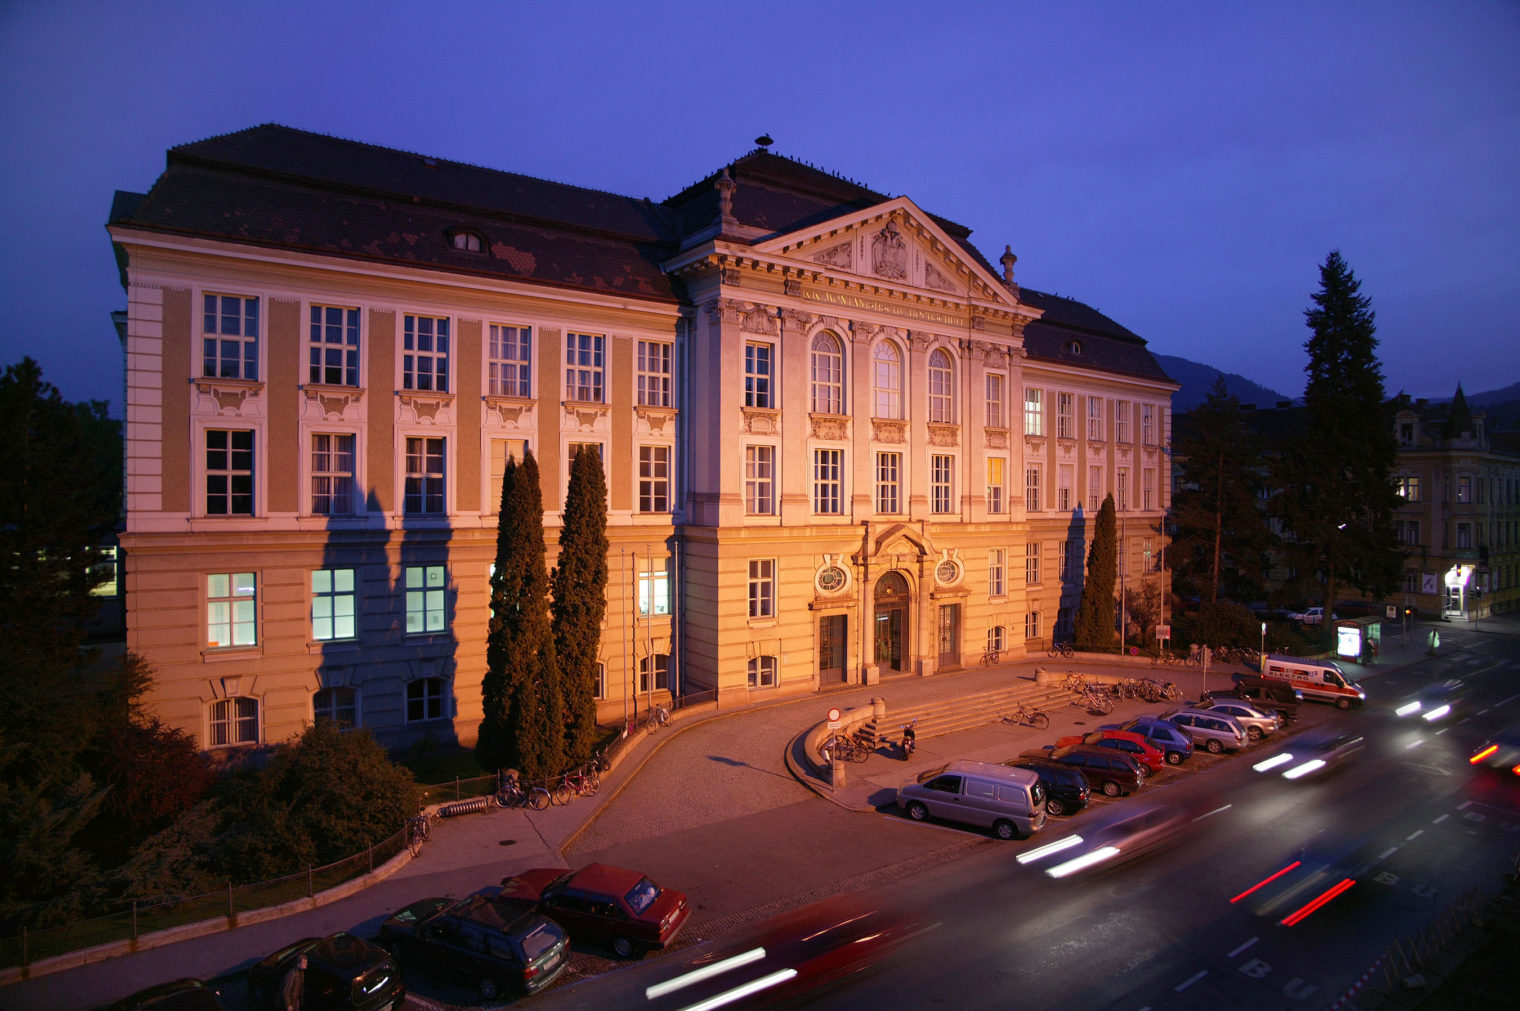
839, 445
1461, 520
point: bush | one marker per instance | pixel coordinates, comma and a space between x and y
1221, 623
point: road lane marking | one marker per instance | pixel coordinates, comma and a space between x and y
1190, 981
1411, 838
1390, 851
1243, 947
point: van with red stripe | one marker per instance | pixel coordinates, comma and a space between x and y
1316, 679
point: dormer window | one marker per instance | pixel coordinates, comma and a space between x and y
466, 241
1074, 348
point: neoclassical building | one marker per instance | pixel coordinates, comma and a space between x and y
841, 447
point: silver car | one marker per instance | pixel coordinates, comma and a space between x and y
1215, 731
1258, 723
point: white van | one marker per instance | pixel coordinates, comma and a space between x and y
1009, 801
1316, 679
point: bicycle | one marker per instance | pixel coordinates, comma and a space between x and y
1060, 649
512, 793
600, 760
658, 717
1027, 717
846, 748
990, 657
580, 782
419, 828
1164, 657
1093, 700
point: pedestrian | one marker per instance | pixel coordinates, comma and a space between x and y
294, 986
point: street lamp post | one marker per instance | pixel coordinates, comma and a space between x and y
1261, 658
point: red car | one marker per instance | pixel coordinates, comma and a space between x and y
622, 909
1132, 744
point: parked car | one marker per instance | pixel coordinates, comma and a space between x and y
177, 995
1283, 699
603, 904
498, 946
1164, 736
1066, 789
1433, 702
1217, 732
342, 971
1311, 616
1107, 770
1313, 753
1132, 744
1009, 801
1258, 722
1121, 833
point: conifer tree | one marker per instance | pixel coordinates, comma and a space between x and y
522, 725
579, 583
1095, 615
1337, 498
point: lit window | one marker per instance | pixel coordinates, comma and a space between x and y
762, 672
424, 700
229, 472
996, 482
886, 381
654, 374
828, 481
759, 480
941, 388
1034, 412
231, 609
758, 375
230, 337
333, 348
425, 353
762, 588
425, 585
234, 721
333, 604
827, 366
654, 590
508, 361
332, 474
889, 483
337, 706
654, 479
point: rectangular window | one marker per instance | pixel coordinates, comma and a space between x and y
1121, 489
337, 706
231, 609
758, 375
654, 589
1464, 488
332, 350
941, 483
1095, 419
425, 353
659, 664
1066, 416
585, 367
424, 476
997, 567
1034, 412
654, 374
760, 480
1032, 489
333, 478
502, 450
1064, 477
1148, 488
1094, 489
762, 588
424, 700
333, 605
995, 405
1464, 535
828, 481
1148, 424
1063, 558
889, 483
997, 482
1121, 420
230, 337
1407, 531
1032, 563
229, 472
1032, 625
507, 364
425, 585
654, 479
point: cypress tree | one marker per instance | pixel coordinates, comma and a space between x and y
580, 600
522, 726
1095, 615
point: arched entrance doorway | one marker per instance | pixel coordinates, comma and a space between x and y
891, 633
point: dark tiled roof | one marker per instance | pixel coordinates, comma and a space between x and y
1105, 345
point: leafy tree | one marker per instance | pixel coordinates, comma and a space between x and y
1337, 497
579, 584
1219, 531
153, 774
522, 725
46, 873
1095, 614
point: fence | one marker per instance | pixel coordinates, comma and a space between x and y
231, 902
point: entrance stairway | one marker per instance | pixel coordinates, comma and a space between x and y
977, 709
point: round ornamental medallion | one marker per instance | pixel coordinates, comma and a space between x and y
948, 572
831, 579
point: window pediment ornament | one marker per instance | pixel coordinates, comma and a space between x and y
996, 438
657, 421
889, 430
418, 408
759, 421
944, 435
830, 427
228, 398
582, 417
508, 413
796, 319
332, 403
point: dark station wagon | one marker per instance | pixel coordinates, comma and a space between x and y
343, 973
498, 946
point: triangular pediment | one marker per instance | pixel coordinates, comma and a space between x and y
895, 245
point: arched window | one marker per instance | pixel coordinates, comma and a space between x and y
941, 387
465, 241
827, 366
995, 638
886, 381
762, 672
337, 705
234, 721
660, 664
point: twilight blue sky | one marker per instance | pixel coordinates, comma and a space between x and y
1182, 166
